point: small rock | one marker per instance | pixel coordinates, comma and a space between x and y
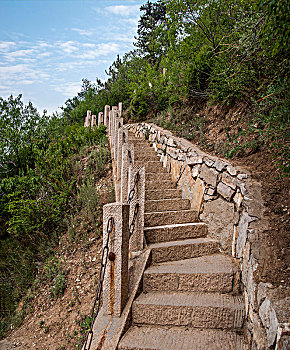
229, 181
242, 176
231, 170
195, 170
226, 191
209, 175
208, 162
219, 165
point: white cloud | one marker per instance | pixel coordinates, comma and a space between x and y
83, 32
68, 46
133, 21
19, 72
6, 45
122, 10
68, 89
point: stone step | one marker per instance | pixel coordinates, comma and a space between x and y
141, 149
180, 338
159, 184
200, 310
185, 249
167, 204
158, 218
145, 157
162, 194
175, 232
152, 176
152, 166
142, 146
214, 273
137, 141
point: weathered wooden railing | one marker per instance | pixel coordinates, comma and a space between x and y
125, 239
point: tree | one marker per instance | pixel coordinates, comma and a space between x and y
152, 39
19, 125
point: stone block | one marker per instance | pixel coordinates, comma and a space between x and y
106, 115
231, 170
269, 321
209, 162
242, 233
137, 236
259, 334
100, 118
127, 160
238, 199
191, 248
115, 286
229, 181
175, 232
209, 175
198, 192
94, 121
193, 159
195, 170
226, 191
219, 216
219, 165
255, 207
242, 176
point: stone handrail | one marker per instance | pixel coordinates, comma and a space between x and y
126, 218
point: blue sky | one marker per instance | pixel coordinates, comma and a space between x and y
48, 46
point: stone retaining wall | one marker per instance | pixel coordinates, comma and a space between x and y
231, 203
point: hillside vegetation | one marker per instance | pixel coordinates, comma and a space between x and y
48, 171
190, 55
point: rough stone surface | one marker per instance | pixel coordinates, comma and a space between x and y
186, 249
180, 338
209, 175
127, 149
226, 191
199, 310
198, 192
174, 232
209, 274
137, 236
170, 217
219, 165
242, 234
269, 320
219, 216
229, 181
115, 286
231, 170
195, 170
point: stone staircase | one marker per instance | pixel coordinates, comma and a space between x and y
189, 298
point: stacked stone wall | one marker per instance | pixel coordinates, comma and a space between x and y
230, 201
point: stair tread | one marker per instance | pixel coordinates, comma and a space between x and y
174, 225
190, 299
182, 242
210, 264
180, 338
172, 211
